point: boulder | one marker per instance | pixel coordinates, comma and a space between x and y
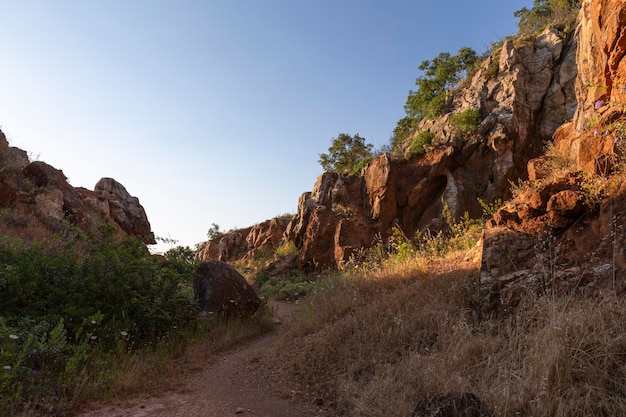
11, 156
222, 292
458, 404
125, 210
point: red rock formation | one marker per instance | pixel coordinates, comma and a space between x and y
245, 244
38, 200
518, 107
549, 238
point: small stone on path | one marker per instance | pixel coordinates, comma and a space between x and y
240, 410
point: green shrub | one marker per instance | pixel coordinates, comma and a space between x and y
465, 123
419, 143
65, 309
441, 75
361, 163
345, 153
287, 249
544, 13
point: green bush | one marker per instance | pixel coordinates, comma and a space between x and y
419, 143
442, 74
544, 13
66, 308
465, 123
345, 153
361, 163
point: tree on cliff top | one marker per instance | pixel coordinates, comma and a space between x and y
345, 153
546, 13
441, 74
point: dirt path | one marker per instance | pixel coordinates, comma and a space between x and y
236, 382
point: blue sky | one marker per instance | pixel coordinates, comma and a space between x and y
217, 111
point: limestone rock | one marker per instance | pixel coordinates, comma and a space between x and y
222, 292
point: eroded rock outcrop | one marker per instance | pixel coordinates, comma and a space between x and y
520, 107
564, 231
38, 200
245, 244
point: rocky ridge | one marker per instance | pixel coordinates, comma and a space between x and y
36, 201
564, 231
520, 107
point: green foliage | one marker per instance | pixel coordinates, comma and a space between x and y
345, 153
493, 54
400, 245
419, 143
214, 231
404, 128
489, 209
133, 291
64, 310
287, 288
441, 75
544, 13
287, 250
465, 123
361, 163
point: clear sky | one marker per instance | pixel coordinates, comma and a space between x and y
216, 111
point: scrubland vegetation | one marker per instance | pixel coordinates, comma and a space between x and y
94, 315
375, 344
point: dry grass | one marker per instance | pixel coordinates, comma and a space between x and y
167, 367
376, 345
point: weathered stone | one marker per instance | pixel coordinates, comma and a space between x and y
565, 207
521, 109
11, 156
42, 196
247, 243
222, 292
125, 210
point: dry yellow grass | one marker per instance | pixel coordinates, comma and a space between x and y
168, 366
375, 345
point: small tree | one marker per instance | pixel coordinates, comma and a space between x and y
441, 75
545, 13
344, 153
214, 231
465, 123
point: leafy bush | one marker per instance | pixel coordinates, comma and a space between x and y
345, 153
214, 232
63, 305
419, 143
441, 75
404, 128
358, 167
465, 123
546, 12
287, 249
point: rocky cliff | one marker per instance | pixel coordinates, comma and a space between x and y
520, 109
37, 202
564, 90
244, 244
564, 230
